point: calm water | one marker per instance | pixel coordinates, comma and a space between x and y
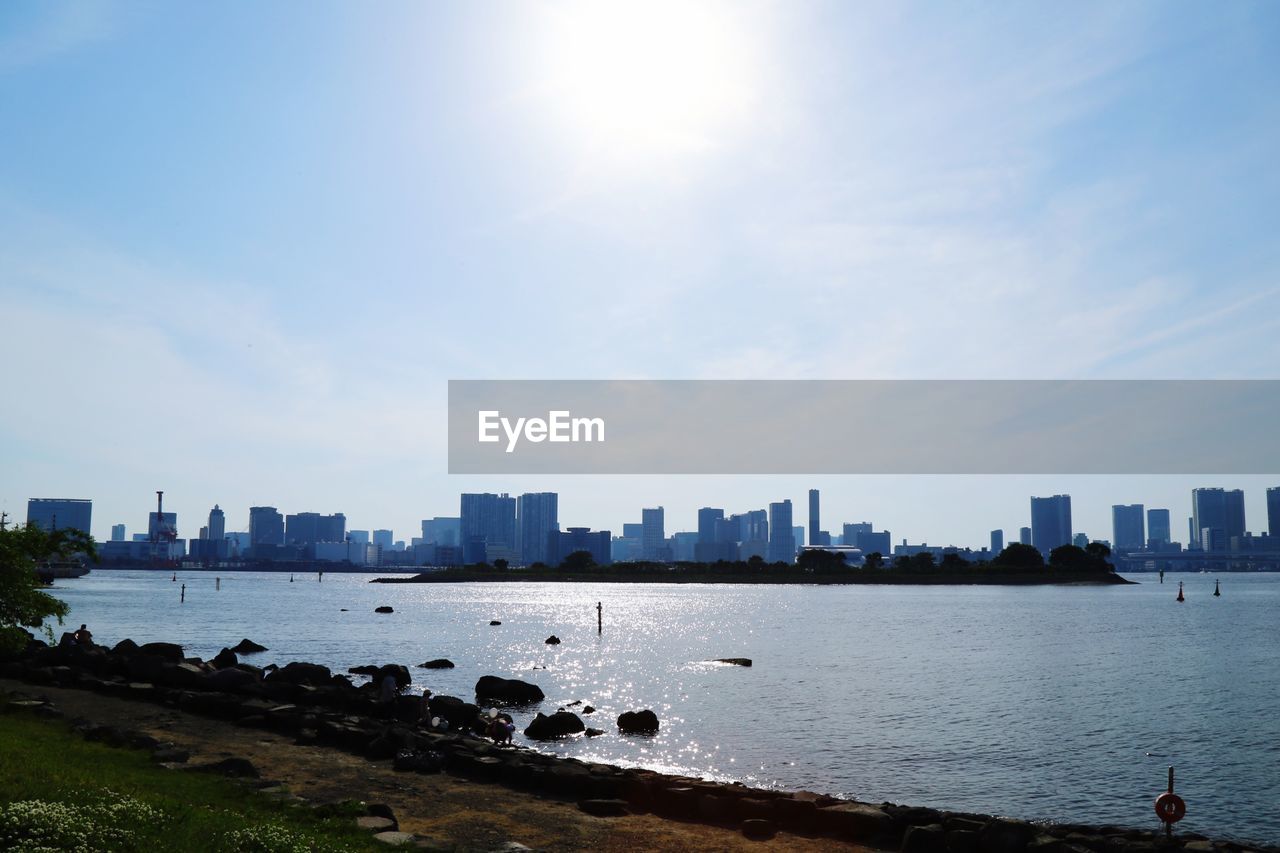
1051, 703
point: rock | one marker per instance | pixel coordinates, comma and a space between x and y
759, 829
559, 724
858, 822
509, 690
299, 672
224, 659
382, 810
374, 823
229, 680
247, 647
735, 661
395, 838
962, 841
170, 754
240, 768
494, 622
925, 839
384, 609
438, 663
604, 808
418, 762
588, 710
1005, 836
365, 669
594, 732
553, 640
638, 722
168, 651
398, 671
125, 647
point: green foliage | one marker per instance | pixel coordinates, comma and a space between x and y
23, 604
1020, 557
821, 562
1072, 558
578, 561
874, 561
63, 793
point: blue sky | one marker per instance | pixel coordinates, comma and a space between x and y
243, 247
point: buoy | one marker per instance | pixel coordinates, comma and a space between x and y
1216, 590
1170, 808
1180, 598
175, 577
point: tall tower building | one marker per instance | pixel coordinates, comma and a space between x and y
537, 517
815, 523
782, 541
997, 541
1273, 511
1024, 535
1159, 533
653, 535
1050, 522
1219, 511
60, 513
491, 519
707, 519
1128, 532
217, 524
266, 526
117, 533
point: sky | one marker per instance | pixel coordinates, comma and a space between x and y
244, 247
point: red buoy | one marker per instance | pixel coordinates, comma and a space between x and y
1170, 808
1180, 598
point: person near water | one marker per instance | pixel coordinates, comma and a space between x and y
83, 637
424, 708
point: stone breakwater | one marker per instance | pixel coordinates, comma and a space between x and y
315, 706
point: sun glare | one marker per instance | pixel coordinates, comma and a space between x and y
632, 79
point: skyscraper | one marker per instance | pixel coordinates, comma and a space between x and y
817, 536
491, 518
707, 518
1219, 511
782, 542
1127, 529
1273, 511
442, 530
217, 524
117, 533
652, 533
1050, 522
60, 513
266, 526
537, 517
308, 528
1024, 535
383, 539
997, 541
1159, 533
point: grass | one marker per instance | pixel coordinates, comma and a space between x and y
59, 792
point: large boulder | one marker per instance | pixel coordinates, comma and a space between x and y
247, 647
300, 672
560, 724
377, 673
125, 647
386, 608
638, 722
167, 651
230, 680
438, 663
453, 710
224, 659
507, 690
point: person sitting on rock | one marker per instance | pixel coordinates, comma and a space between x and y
424, 708
83, 637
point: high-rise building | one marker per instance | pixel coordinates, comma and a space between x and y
708, 517
442, 530
537, 517
1159, 532
875, 542
60, 513
492, 519
997, 542
652, 534
1024, 535
308, 528
117, 533
218, 524
797, 535
782, 542
851, 532
562, 544
1050, 522
383, 540
358, 537
1080, 540
266, 526
1273, 511
1128, 531
1216, 510
817, 536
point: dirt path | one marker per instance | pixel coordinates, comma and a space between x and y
452, 811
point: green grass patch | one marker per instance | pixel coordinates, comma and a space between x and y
59, 792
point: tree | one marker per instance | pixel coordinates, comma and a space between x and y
578, 561
820, 561
953, 562
500, 565
1020, 557
875, 560
23, 604
1071, 558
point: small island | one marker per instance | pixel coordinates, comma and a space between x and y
1016, 565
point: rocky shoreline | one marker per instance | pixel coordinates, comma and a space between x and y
314, 706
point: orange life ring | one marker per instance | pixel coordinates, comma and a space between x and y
1170, 808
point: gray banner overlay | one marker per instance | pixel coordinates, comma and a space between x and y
864, 427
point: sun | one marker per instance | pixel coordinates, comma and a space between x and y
643, 78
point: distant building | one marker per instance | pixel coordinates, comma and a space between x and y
653, 535
442, 531
537, 517
633, 530
625, 549
383, 540
1024, 535
562, 544
817, 536
797, 536
490, 517
308, 528
1159, 532
997, 541
717, 537
117, 533
266, 526
1050, 522
851, 532
358, 537
1219, 511
1080, 540
1273, 511
1128, 529
60, 513
874, 542
782, 542
708, 517
217, 523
